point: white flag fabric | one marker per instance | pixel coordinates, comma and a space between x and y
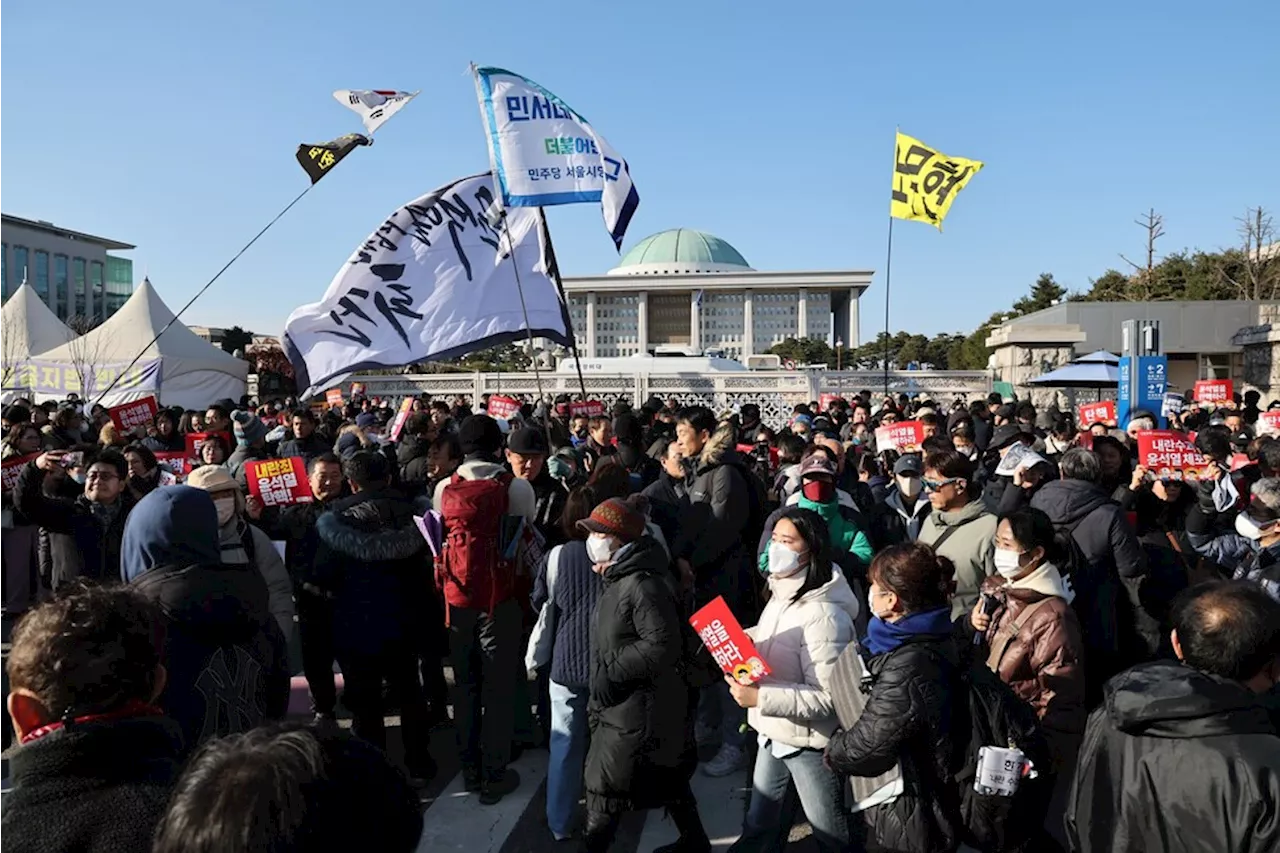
374, 106
544, 153
435, 281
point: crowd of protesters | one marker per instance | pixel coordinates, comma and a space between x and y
1120, 627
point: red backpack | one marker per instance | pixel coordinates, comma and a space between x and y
473, 572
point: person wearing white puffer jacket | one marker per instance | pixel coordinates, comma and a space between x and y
807, 623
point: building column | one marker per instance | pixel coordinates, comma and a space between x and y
851, 334
695, 321
748, 325
591, 326
802, 314
642, 322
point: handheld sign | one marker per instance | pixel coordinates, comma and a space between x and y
1269, 422
825, 401
586, 409
1173, 404
196, 440
1101, 412
333, 398
129, 416
729, 645
905, 437
1170, 455
11, 468
1213, 391
502, 408
174, 461
278, 482
402, 417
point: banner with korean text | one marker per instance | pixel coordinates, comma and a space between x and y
729, 645
1213, 391
195, 443
11, 468
503, 408
59, 378
278, 482
904, 437
434, 281
586, 409
1170, 455
129, 416
1100, 412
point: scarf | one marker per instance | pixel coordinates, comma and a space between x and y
885, 636
842, 532
1046, 580
105, 514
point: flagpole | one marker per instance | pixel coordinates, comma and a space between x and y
554, 266
524, 309
888, 269
201, 291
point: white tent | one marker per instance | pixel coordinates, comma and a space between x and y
28, 328
193, 372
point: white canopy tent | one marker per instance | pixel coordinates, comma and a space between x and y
193, 372
28, 328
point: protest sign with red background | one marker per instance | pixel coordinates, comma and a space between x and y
502, 407
1103, 411
278, 482
333, 398
11, 468
729, 645
1168, 454
1269, 422
825, 401
586, 409
196, 439
402, 417
175, 460
750, 450
1213, 390
1085, 440
905, 437
129, 416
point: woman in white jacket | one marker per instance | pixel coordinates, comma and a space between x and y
805, 626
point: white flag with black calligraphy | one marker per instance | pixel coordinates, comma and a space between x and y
374, 106
544, 153
436, 280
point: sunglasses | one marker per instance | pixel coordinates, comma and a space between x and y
934, 485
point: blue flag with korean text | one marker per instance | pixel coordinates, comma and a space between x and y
544, 153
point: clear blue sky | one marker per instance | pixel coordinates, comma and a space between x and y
173, 126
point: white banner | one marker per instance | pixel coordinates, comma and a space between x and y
544, 153
374, 106
434, 281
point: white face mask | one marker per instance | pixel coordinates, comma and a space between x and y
910, 486
226, 509
601, 548
783, 562
1246, 527
1007, 563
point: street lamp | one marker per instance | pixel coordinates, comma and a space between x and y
839, 348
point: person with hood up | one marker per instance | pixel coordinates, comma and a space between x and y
807, 623
1182, 757
245, 544
227, 664
959, 527
641, 754
899, 517
851, 549
251, 445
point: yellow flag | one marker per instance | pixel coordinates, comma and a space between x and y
925, 181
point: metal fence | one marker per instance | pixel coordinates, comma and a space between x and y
775, 392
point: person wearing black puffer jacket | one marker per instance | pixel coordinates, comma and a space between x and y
915, 670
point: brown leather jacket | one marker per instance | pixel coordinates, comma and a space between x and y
1043, 662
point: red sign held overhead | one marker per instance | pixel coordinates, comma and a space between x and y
729, 645
129, 416
279, 482
1213, 391
1170, 455
1269, 422
502, 408
586, 409
333, 398
904, 437
1101, 412
402, 417
825, 401
11, 468
176, 461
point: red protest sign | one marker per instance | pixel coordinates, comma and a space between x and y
278, 482
729, 645
1085, 440
1213, 391
1170, 455
333, 398
1269, 422
905, 437
129, 416
176, 461
402, 417
1101, 412
11, 468
587, 409
196, 440
502, 408
750, 450
825, 401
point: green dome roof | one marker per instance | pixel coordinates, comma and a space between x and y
683, 250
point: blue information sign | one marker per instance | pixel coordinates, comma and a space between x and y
1142, 387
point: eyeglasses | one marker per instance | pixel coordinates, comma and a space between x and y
934, 485
101, 475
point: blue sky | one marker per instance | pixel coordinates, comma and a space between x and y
173, 126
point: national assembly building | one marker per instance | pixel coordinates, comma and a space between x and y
691, 290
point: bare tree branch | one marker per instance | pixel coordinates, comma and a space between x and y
1143, 279
1259, 272
86, 352
13, 341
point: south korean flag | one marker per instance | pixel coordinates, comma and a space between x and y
374, 106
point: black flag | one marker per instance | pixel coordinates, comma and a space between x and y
318, 160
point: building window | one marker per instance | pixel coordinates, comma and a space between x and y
20, 266
42, 275
61, 285
78, 281
96, 281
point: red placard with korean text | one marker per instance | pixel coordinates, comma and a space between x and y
1171, 455
905, 437
586, 409
196, 439
278, 482
1103, 411
825, 401
129, 416
333, 398
176, 461
1213, 391
402, 417
1269, 422
11, 468
729, 645
502, 408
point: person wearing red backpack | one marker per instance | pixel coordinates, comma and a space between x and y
484, 509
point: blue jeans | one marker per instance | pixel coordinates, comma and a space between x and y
568, 756
717, 710
778, 786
